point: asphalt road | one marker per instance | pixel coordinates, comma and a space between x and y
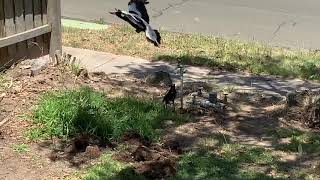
289, 23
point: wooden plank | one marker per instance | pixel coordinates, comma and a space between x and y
3, 51
28, 13
28, 18
54, 18
2, 25
37, 21
10, 27
24, 35
20, 27
44, 12
44, 4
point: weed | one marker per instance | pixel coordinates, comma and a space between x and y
75, 69
21, 148
100, 21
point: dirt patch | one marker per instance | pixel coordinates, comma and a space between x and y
150, 160
20, 99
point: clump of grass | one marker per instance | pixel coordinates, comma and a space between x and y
232, 162
21, 148
75, 69
200, 50
308, 142
4, 83
111, 169
85, 111
100, 21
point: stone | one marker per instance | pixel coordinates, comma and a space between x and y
39, 64
93, 151
159, 77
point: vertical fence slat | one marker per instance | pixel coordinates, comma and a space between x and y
28, 13
37, 21
44, 13
54, 18
2, 30
3, 51
10, 28
28, 18
20, 27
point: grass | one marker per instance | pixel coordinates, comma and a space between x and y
309, 142
72, 112
206, 165
75, 69
200, 50
111, 169
4, 83
232, 162
21, 148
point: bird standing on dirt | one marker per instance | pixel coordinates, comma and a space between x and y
170, 96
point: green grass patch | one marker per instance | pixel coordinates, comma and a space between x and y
75, 69
111, 169
309, 142
230, 161
21, 148
71, 112
200, 50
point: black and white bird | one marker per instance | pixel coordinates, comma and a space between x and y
139, 23
128, 17
170, 96
138, 7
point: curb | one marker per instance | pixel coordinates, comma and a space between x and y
82, 24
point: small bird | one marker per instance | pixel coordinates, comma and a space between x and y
171, 95
139, 23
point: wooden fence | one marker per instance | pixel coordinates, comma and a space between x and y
29, 29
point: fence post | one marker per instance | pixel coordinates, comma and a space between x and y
54, 19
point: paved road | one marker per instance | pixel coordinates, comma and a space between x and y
292, 23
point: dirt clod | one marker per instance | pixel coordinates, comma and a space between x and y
93, 151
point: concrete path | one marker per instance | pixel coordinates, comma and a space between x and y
293, 23
114, 64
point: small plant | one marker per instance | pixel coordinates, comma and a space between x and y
21, 148
100, 21
75, 69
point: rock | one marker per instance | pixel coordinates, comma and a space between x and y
38, 65
84, 73
2, 96
93, 151
142, 153
96, 76
292, 99
168, 123
158, 78
157, 169
53, 156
